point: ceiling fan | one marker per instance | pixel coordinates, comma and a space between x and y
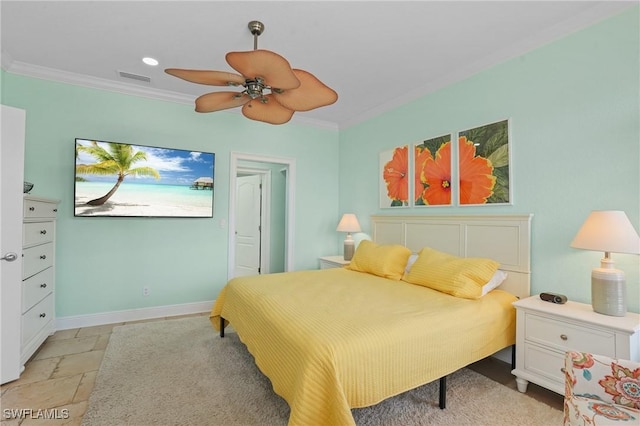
273, 91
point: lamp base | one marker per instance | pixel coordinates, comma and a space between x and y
609, 292
349, 248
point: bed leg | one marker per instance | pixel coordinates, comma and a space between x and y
221, 327
513, 357
443, 393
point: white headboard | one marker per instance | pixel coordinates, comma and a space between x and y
504, 238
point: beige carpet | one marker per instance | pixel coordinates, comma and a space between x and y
179, 372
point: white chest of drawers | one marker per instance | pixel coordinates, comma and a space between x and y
545, 331
38, 273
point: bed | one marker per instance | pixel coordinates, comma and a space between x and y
335, 339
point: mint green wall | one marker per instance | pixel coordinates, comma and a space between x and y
103, 263
574, 114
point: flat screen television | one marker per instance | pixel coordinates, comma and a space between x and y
124, 180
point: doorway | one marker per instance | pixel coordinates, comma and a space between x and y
261, 193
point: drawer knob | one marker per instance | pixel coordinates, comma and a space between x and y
564, 337
43, 232
42, 315
43, 256
43, 285
32, 208
55, 210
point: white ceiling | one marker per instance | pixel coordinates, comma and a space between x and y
375, 54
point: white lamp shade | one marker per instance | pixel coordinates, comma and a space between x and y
348, 223
608, 231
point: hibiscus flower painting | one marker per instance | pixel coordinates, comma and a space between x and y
483, 165
394, 183
432, 172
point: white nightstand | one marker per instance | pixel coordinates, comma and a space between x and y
545, 331
327, 262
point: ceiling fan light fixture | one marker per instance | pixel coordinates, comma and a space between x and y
288, 90
255, 87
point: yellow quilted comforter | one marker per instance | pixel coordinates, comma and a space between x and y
334, 339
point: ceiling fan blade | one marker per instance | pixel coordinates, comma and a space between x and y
212, 78
218, 101
311, 94
269, 112
273, 68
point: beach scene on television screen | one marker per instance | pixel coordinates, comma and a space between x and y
120, 179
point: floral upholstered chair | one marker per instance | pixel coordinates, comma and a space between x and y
600, 390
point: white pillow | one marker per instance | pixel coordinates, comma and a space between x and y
410, 262
494, 282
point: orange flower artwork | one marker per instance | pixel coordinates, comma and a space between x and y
484, 165
433, 172
395, 174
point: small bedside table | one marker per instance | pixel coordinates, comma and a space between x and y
545, 331
327, 262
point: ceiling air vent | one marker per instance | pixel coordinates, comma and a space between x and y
137, 77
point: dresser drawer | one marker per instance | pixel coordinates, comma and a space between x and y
36, 259
544, 362
36, 318
563, 336
39, 209
35, 288
37, 233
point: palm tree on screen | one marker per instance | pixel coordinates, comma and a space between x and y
117, 160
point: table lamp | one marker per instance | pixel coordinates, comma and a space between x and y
608, 231
348, 223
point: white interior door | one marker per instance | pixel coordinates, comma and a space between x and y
11, 178
247, 224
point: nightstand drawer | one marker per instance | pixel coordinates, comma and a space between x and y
543, 362
328, 262
566, 336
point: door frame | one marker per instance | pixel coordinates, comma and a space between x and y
265, 214
290, 165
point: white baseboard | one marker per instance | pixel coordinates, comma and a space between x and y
114, 317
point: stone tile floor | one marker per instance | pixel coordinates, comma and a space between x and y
57, 381
59, 378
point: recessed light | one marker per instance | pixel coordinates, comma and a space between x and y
150, 61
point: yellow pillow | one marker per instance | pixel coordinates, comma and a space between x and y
457, 276
383, 260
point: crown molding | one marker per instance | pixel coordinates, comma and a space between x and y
45, 73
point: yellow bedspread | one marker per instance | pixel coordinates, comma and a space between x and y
334, 339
